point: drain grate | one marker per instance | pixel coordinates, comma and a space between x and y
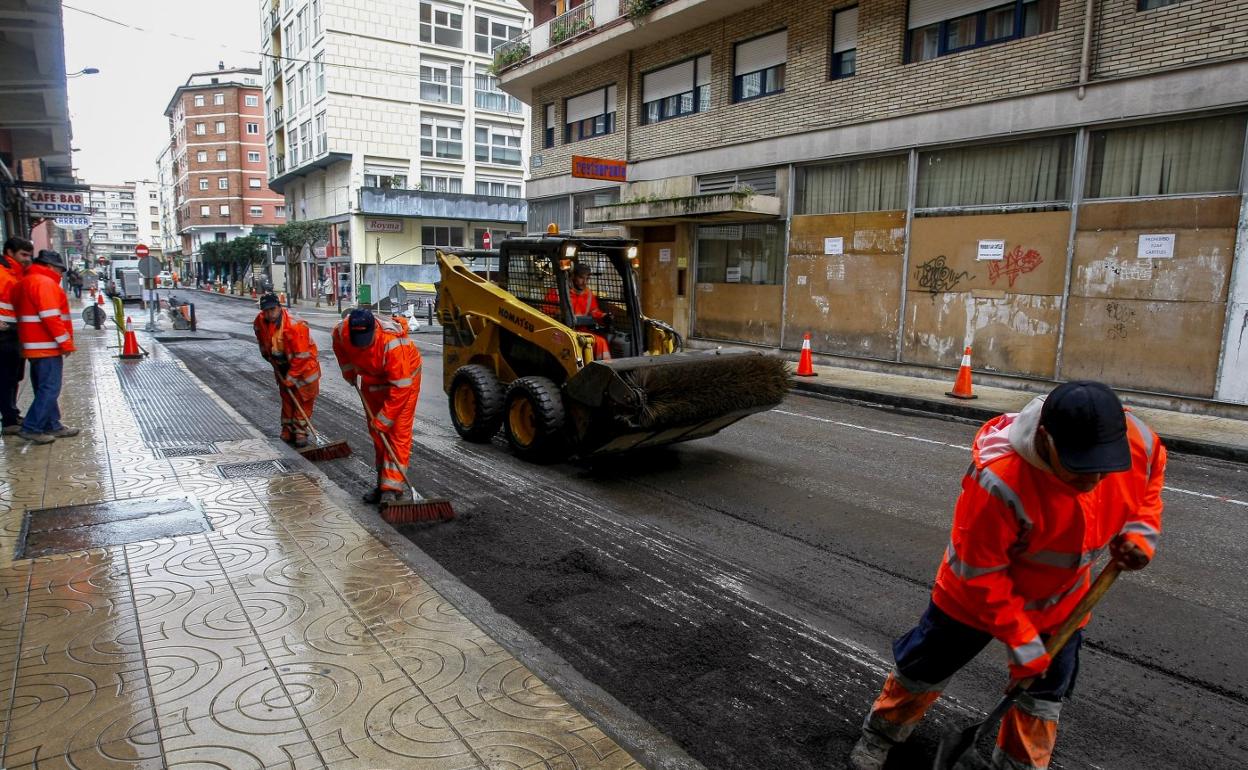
50, 531
187, 450
257, 469
171, 409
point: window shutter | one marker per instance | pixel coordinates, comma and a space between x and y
670, 81
845, 31
589, 105
761, 53
924, 12
610, 98
550, 116
704, 70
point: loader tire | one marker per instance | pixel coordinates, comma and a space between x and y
476, 403
533, 419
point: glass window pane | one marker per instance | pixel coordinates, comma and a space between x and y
959, 33
872, 184
1031, 171
1182, 157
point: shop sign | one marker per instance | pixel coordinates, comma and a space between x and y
55, 202
72, 221
1155, 246
665, 255
733, 275
991, 250
383, 225
599, 168
834, 246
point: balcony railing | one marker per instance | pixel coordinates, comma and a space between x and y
279, 121
584, 18
513, 51
275, 21
575, 22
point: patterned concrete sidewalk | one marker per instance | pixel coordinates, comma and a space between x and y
279, 634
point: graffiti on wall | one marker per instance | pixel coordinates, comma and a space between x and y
1121, 315
1015, 264
935, 276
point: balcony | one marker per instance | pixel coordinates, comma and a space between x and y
441, 205
279, 119
596, 31
275, 22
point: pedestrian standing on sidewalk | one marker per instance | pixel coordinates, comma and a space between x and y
1049, 490
378, 351
17, 256
46, 332
286, 342
75, 282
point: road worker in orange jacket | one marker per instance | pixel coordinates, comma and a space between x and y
378, 352
585, 308
45, 330
1050, 489
286, 343
18, 253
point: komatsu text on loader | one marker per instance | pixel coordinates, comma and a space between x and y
515, 356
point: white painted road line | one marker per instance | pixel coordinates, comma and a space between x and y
963, 448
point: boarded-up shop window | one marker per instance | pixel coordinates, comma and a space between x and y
1181, 157
741, 254
1032, 171
551, 210
873, 184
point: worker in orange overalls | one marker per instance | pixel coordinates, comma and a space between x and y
1049, 490
378, 352
18, 253
46, 331
286, 343
585, 309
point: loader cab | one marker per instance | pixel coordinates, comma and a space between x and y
538, 271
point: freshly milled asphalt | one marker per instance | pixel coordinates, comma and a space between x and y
740, 592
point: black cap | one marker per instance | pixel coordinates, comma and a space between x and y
50, 258
582, 268
360, 327
269, 300
1088, 428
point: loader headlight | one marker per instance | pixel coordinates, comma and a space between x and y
632, 252
569, 251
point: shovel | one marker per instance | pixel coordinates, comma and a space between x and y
958, 749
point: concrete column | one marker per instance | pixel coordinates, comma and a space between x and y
1233, 368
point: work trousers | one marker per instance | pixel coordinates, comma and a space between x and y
293, 424
929, 654
44, 414
12, 370
390, 470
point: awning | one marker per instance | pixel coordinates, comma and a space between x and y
692, 209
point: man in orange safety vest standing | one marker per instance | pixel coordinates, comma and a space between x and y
46, 332
286, 343
1049, 490
17, 256
378, 352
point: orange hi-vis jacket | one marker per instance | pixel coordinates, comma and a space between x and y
43, 321
1023, 543
291, 345
10, 273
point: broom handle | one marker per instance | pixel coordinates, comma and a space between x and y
385, 442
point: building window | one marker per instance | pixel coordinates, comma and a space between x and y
491, 33
316, 17
251, 100
1182, 157
442, 83
253, 128
253, 183
440, 25
290, 96
498, 189
199, 100
873, 184
205, 211
279, 212
589, 200
318, 68
322, 139
203, 183
548, 127
442, 184
221, 156
441, 138
293, 142
937, 29
844, 42
1031, 171
445, 237
681, 89
223, 183
303, 85
591, 114
305, 132
385, 177
751, 254
1148, 5
201, 156
758, 66
253, 157
257, 211
490, 97
220, 126
218, 99
224, 209
200, 129
153, 210
496, 144
301, 27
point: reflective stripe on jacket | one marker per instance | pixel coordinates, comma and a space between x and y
1023, 543
42, 310
289, 342
10, 273
391, 363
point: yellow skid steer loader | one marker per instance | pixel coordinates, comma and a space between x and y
517, 356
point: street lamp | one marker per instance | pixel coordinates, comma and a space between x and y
83, 71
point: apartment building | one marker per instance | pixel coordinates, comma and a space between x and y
1058, 183
388, 123
216, 141
122, 217
167, 211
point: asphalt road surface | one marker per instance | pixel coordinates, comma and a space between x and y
741, 592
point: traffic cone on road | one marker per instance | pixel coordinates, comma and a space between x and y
130, 346
962, 385
99, 298
805, 367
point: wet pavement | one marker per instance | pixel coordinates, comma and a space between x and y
277, 631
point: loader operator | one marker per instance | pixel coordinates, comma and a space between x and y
286, 343
378, 352
1049, 489
584, 308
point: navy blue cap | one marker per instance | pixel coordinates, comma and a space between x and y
50, 258
269, 300
1088, 428
360, 327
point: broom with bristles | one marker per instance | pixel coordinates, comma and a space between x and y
324, 448
418, 508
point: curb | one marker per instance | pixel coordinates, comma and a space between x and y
964, 412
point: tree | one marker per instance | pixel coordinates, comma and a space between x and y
212, 254
295, 238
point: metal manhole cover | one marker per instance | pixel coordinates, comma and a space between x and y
187, 450
258, 469
48, 531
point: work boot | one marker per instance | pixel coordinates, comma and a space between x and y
66, 431
301, 440
389, 496
870, 752
37, 438
12, 430
373, 497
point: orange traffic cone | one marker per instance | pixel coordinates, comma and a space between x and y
130, 346
99, 298
253, 292
962, 385
804, 366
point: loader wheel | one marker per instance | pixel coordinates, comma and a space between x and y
534, 419
476, 403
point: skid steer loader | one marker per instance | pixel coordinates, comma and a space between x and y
515, 356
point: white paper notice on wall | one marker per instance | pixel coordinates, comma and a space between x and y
733, 275
801, 280
665, 255
834, 246
1155, 246
990, 250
